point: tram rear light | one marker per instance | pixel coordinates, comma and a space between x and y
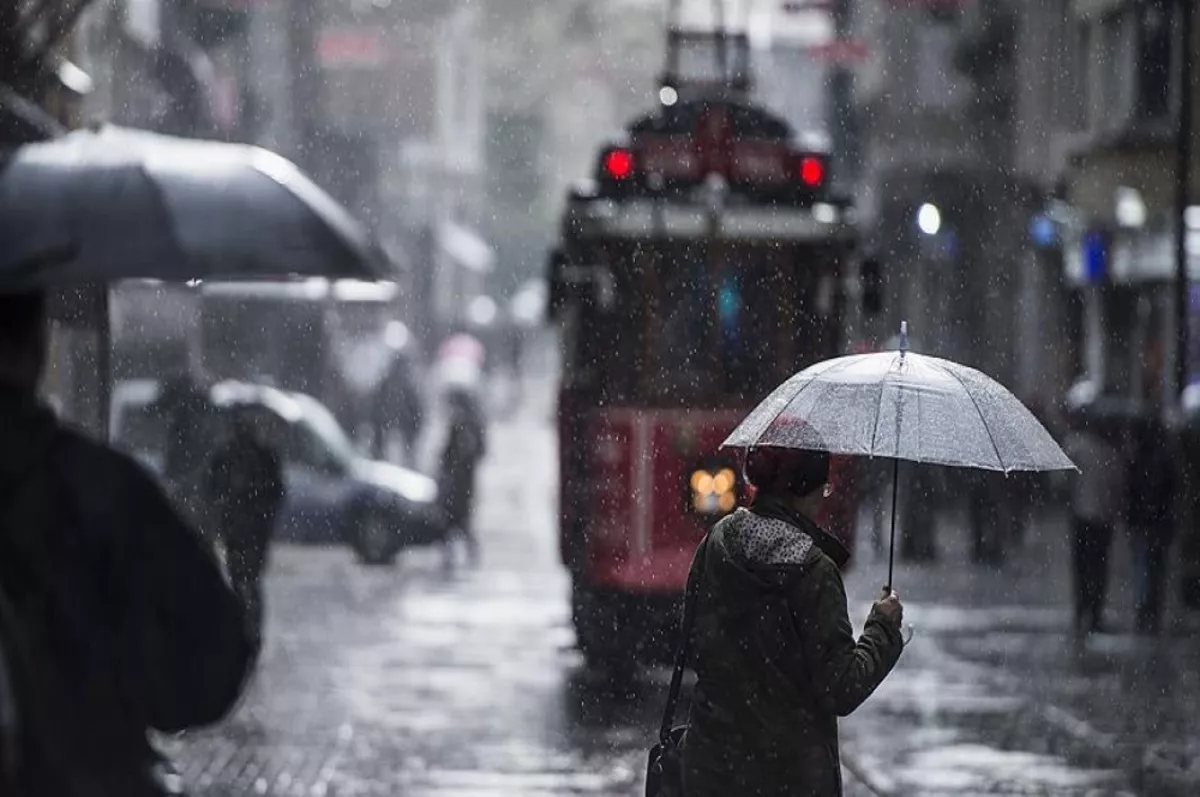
812, 171
618, 164
714, 493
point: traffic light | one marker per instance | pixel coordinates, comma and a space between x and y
871, 279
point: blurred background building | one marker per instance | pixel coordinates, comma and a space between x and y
1014, 161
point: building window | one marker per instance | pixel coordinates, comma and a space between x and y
1071, 89
1156, 46
937, 86
1112, 55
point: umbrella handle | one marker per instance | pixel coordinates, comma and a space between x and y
892, 546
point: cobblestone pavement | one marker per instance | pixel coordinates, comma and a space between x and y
407, 680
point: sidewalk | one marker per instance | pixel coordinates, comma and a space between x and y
996, 696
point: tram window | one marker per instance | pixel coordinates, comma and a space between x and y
683, 342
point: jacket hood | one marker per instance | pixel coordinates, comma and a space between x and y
27, 429
761, 553
770, 546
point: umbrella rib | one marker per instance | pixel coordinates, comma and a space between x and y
796, 395
979, 412
878, 410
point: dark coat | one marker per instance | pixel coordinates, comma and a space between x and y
1150, 498
245, 482
398, 403
776, 660
145, 632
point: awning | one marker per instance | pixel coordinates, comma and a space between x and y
466, 247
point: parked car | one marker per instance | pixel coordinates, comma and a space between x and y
135, 424
334, 493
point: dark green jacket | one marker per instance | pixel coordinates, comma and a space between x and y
776, 660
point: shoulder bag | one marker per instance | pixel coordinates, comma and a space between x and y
664, 772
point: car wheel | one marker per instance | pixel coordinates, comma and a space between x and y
374, 538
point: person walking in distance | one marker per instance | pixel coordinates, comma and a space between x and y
1096, 504
246, 486
460, 458
117, 618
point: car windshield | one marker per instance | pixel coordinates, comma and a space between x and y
317, 420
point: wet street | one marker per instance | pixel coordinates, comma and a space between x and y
410, 680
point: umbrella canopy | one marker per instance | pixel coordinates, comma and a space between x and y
906, 407
111, 203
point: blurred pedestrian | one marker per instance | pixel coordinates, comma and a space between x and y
1096, 504
464, 448
187, 446
997, 507
1150, 515
246, 488
773, 649
398, 406
120, 621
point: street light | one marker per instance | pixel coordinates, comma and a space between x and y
929, 219
1130, 208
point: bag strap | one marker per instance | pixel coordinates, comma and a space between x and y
683, 648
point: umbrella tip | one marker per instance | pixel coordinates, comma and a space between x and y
903, 337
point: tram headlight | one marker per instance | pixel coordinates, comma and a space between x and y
713, 491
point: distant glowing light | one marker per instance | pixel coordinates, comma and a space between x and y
1191, 217
714, 493
396, 335
825, 213
668, 96
929, 219
619, 164
812, 171
482, 311
1130, 208
1043, 230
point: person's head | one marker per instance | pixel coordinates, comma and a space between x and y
1080, 403
798, 476
23, 338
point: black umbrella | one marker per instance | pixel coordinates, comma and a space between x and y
110, 203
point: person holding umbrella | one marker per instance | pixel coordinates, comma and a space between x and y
765, 605
120, 621
775, 655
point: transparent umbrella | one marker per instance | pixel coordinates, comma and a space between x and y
902, 406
